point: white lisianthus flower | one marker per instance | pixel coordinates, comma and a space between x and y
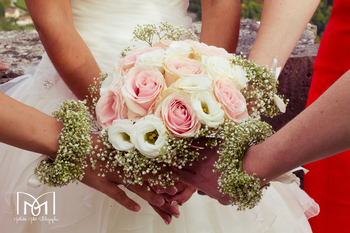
208, 110
113, 79
119, 134
179, 48
217, 66
280, 104
194, 83
239, 77
149, 136
275, 69
154, 59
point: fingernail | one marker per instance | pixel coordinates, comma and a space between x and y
173, 203
166, 222
174, 190
159, 191
137, 208
176, 215
160, 201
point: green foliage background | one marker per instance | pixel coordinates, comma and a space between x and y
10, 24
252, 9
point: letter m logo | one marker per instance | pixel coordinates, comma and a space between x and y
32, 203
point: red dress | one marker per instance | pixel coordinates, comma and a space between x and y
328, 181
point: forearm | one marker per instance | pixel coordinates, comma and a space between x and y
220, 23
320, 131
66, 49
27, 128
282, 24
73, 61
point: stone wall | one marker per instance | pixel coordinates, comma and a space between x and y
22, 50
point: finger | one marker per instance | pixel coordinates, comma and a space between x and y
172, 210
182, 197
171, 190
3, 66
164, 215
113, 191
147, 195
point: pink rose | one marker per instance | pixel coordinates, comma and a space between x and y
129, 61
141, 88
164, 44
204, 49
178, 115
176, 67
232, 99
110, 107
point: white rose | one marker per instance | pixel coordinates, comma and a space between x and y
217, 66
113, 79
179, 48
153, 59
208, 110
194, 83
119, 134
239, 77
149, 136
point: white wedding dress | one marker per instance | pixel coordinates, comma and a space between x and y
107, 27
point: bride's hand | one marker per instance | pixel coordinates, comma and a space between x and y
201, 176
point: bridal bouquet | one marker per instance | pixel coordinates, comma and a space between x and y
161, 99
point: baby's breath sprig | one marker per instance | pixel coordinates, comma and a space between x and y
150, 34
74, 146
261, 89
165, 31
94, 90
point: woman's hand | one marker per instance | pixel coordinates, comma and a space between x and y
3, 66
201, 175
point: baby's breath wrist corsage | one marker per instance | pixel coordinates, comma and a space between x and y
74, 146
244, 190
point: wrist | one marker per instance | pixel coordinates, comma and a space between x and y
252, 164
50, 138
262, 57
